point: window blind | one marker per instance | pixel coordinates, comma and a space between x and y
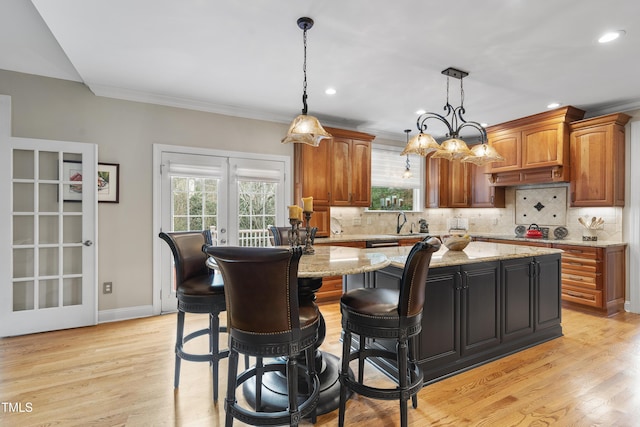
388, 166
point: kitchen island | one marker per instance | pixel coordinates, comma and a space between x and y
483, 303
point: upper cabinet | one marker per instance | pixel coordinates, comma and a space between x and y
536, 148
454, 184
597, 161
448, 183
336, 173
351, 170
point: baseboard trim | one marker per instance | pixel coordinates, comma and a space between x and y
126, 313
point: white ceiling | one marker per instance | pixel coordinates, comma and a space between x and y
383, 57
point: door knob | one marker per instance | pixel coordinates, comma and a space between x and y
87, 243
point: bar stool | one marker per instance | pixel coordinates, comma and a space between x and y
265, 320
389, 314
196, 292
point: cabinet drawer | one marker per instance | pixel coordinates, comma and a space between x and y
581, 264
581, 280
578, 252
588, 297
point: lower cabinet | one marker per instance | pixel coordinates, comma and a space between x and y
476, 313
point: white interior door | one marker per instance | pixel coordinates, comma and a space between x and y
49, 255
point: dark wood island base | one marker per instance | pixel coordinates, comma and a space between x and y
478, 311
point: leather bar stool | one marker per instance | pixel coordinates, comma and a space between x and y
196, 292
388, 314
280, 235
265, 320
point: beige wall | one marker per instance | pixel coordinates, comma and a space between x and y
125, 131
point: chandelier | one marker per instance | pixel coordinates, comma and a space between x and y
453, 148
304, 128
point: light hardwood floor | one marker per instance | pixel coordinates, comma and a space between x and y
121, 374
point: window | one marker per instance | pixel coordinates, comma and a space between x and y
389, 189
195, 203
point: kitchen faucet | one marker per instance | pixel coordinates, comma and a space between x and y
398, 225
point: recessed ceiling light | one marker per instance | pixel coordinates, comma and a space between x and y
419, 112
330, 91
553, 105
611, 36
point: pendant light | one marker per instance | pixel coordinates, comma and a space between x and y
454, 147
304, 128
407, 172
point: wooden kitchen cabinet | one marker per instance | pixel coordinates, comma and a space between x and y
483, 194
475, 313
336, 173
454, 184
597, 153
351, 171
594, 277
536, 148
448, 184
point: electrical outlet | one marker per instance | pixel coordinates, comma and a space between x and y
356, 220
107, 287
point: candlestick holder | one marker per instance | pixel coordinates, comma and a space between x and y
294, 232
308, 249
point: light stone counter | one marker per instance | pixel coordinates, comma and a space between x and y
341, 238
338, 260
475, 252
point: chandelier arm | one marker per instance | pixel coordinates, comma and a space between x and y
477, 126
422, 126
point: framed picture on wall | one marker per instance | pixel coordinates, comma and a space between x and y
108, 182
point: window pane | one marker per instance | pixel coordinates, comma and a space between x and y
389, 189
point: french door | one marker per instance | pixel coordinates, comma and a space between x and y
233, 196
48, 224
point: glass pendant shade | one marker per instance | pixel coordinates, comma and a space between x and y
407, 174
421, 144
483, 154
307, 130
453, 149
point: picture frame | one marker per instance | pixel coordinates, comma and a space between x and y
108, 182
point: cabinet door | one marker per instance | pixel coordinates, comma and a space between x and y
542, 146
322, 219
313, 172
483, 194
439, 342
507, 143
341, 172
360, 173
432, 184
548, 294
592, 166
480, 318
518, 290
459, 184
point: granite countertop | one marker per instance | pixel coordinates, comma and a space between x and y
475, 252
340, 260
338, 238
577, 242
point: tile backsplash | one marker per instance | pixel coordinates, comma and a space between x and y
489, 221
546, 206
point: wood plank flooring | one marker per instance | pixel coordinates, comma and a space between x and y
121, 374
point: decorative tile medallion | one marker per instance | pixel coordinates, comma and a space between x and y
542, 206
